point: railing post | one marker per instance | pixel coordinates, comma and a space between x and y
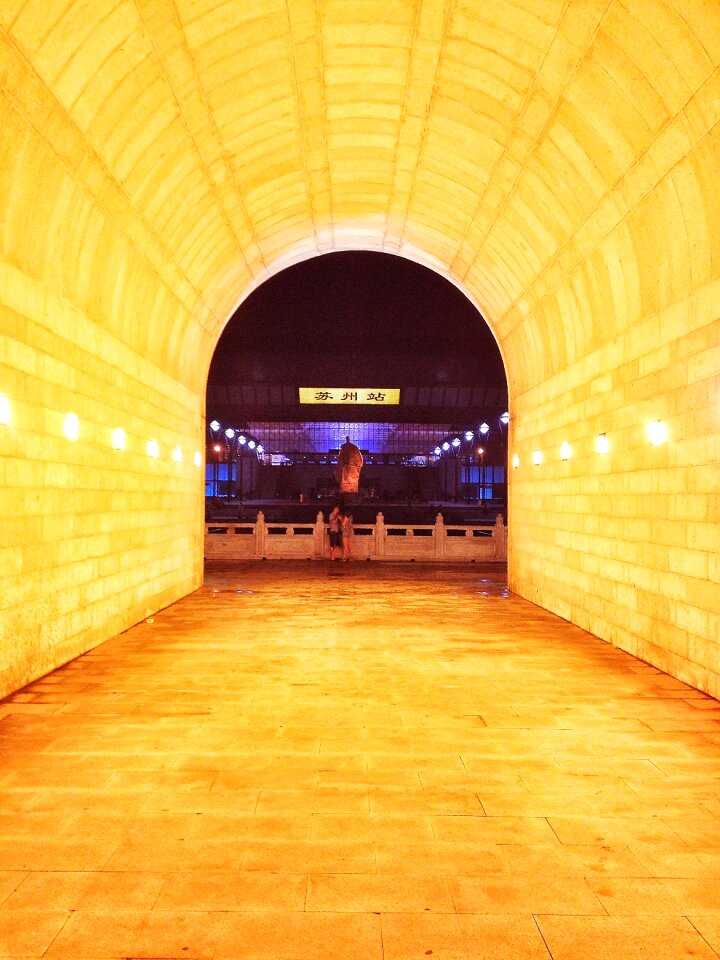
319, 535
379, 536
260, 535
499, 538
439, 533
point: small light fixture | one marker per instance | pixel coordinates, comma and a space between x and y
515, 461
229, 433
537, 457
119, 438
214, 426
71, 426
602, 444
251, 444
657, 432
437, 451
456, 441
153, 448
217, 448
446, 445
565, 450
484, 428
469, 435
260, 448
198, 458
505, 418
5, 411
177, 454
242, 440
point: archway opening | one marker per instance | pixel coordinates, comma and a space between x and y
367, 345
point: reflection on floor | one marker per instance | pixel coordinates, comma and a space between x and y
334, 761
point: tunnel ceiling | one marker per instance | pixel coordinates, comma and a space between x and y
184, 150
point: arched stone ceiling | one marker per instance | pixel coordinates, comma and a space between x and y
553, 157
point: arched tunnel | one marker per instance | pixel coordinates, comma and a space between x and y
557, 161
360, 793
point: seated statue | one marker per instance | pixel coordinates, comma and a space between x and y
349, 465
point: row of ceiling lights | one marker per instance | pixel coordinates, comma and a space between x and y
243, 439
118, 439
657, 432
454, 441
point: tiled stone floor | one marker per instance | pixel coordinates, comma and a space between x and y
350, 762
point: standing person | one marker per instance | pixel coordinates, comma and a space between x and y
335, 525
347, 534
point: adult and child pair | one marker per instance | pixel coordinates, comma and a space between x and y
341, 532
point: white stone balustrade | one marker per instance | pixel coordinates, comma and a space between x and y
377, 541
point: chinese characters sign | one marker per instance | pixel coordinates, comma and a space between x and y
373, 396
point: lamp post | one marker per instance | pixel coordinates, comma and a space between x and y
231, 448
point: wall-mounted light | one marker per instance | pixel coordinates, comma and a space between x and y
177, 454
260, 449
5, 411
456, 441
446, 445
119, 438
469, 435
197, 459
251, 444
214, 426
153, 448
71, 426
505, 418
484, 428
217, 447
657, 432
515, 461
537, 457
565, 450
437, 451
229, 433
602, 444
242, 440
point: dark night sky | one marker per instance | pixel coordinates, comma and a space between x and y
365, 316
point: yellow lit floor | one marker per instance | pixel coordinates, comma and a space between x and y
354, 761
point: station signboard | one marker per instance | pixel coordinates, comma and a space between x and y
373, 396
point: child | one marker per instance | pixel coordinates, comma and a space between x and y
347, 534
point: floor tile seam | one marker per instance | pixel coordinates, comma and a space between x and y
695, 927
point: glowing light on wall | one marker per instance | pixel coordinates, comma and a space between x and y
602, 444
446, 445
565, 450
153, 448
5, 411
515, 461
229, 433
657, 432
537, 457
71, 426
214, 425
456, 441
469, 435
505, 418
119, 438
177, 454
197, 459
251, 444
484, 428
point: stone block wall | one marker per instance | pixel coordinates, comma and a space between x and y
93, 538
